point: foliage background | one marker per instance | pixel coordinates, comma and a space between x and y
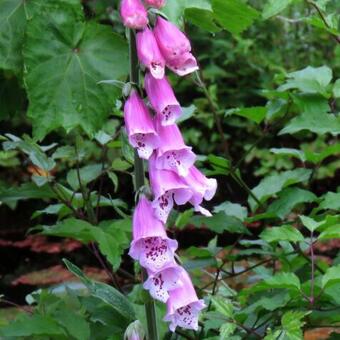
262, 114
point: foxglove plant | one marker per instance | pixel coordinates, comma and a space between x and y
134, 14
173, 176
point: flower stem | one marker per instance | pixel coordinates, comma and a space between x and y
150, 310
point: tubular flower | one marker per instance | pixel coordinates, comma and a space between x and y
162, 99
155, 3
134, 14
160, 283
140, 126
202, 188
175, 47
167, 187
150, 246
183, 305
172, 153
149, 54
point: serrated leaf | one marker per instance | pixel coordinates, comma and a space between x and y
283, 280
275, 183
105, 292
274, 7
232, 209
224, 306
283, 233
310, 224
288, 199
62, 77
234, 15
226, 330
292, 324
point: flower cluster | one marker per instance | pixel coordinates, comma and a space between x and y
172, 173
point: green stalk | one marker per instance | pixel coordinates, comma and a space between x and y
150, 310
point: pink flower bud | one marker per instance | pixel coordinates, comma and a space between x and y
167, 187
183, 305
202, 188
150, 246
155, 3
134, 14
160, 283
149, 54
172, 153
140, 126
162, 99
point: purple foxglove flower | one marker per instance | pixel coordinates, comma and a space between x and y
184, 64
160, 283
162, 99
183, 305
171, 41
202, 188
149, 54
155, 3
172, 153
167, 187
150, 246
134, 14
140, 126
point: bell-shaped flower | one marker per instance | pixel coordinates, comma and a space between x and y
150, 246
149, 54
202, 188
134, 14
155, 3
183, 305
162, 99
160, 283
184, 64
167, 187
172, 153
139, 125
171, 41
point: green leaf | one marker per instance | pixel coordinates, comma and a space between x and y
336, 89
283, 233
331, 232
310, 224
62, 76
331, 277
275, 183
226, 330
279, 281
234, 15
28, 326
292, 324
290, 152
309, 80
330, 201
319, 123
105, 292
288, 199
224, 306
87, 174
256, 113
274, 7
202, 18
232, 209
220, 222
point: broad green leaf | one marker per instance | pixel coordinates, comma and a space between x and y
29, 326
310, 224
288, 199
223, 305
220, 222
62, 77
232, 209
319, 123
309, 80
202, 18
330, 201
283, 233
274, 7
336, 89
311, 103
226, 330
256, 113
290, 152
234, 15
87, 174
280, 281
331, 277
105, 292
331, 232
273, 184
318, 157
292, 324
